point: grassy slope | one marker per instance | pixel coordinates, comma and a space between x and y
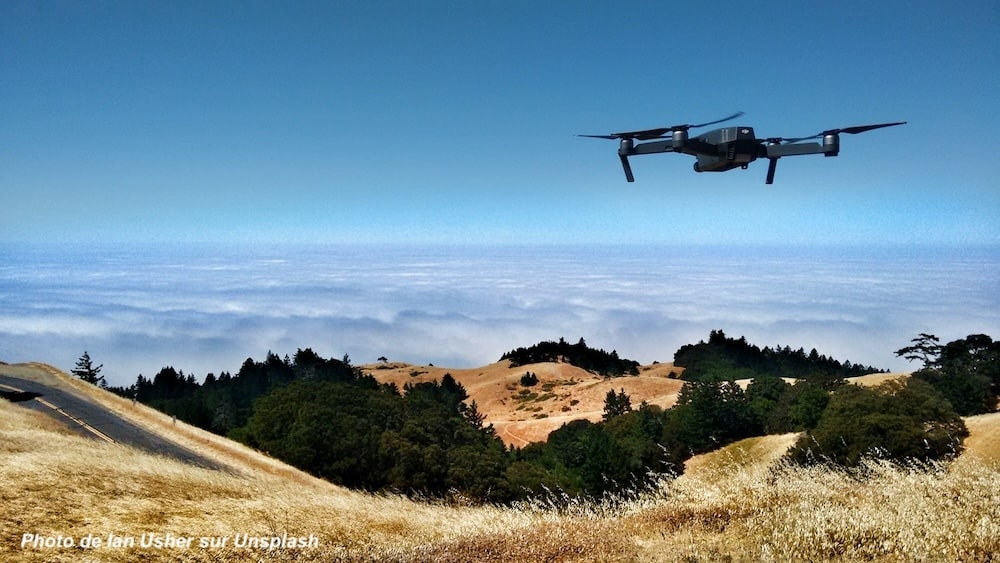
563, 393
737, 502
528, 414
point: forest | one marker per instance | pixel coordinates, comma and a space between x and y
329, 418
722, 359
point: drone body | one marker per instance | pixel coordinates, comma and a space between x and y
729, 147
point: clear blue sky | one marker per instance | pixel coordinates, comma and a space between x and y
455, 121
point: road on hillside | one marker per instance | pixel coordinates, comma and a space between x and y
92, 420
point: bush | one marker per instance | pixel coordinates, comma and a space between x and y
529, 379
898, 420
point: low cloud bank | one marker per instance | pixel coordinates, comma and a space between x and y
206, 309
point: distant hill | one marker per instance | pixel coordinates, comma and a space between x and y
607, 364
564, 392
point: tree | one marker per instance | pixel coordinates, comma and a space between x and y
579, 355
475, 417
529, 379
925, 347
763, 395
965, 371
707, 415
86, 371
616, 404
723, 358
898, 420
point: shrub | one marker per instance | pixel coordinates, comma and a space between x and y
898, 420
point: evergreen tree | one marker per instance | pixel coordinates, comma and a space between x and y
898, 420
616, 404
86, 371
965, 371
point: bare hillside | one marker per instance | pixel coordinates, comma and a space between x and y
563, 393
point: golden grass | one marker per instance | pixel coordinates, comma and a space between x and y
983, 442
56, 483
789, 513
564, 393
740, 503
876, 379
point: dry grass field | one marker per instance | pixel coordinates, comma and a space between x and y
741, 503
564, 392
528, 414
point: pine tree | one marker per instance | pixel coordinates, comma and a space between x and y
86, 371
616, 404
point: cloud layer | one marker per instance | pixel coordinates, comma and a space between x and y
206, 309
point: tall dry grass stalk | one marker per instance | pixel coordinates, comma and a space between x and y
784, 512
738, 504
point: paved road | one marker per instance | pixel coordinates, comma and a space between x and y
86, 417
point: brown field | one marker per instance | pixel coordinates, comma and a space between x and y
564, 392
741, 503
528, 414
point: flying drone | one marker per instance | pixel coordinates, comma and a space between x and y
729, 147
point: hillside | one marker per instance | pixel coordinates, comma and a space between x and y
564, 392
735, 503
528, 414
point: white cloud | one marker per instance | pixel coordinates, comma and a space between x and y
209, 310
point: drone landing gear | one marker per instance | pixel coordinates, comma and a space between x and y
625, 148
770, 169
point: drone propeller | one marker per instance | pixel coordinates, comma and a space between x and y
639, 135
686, 127
647, 134
850, 130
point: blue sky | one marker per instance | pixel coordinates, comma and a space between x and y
455, 121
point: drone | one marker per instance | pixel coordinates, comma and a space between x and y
728, 147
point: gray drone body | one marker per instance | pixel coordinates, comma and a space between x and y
729, 147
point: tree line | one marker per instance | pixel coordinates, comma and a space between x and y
607, 364
329, 418
723, 358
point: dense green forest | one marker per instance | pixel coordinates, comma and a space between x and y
331, 419
723, 358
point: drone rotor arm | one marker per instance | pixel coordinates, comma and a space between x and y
654, 147
675, 140
777, 151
